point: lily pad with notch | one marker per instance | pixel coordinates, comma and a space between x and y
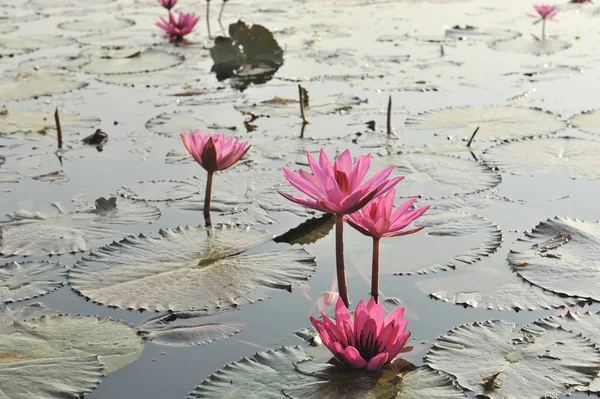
250, 55
494, 123
577, 158
189, 328
290, 372
25, 280
561, 256
496, 360
188, 268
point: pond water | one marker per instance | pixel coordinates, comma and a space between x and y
449, 66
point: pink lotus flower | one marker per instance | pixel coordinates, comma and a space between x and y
338, 188
545, 12
212, 151
370, 341
177, 29
168, 4
377, 220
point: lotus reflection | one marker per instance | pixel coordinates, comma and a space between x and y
249, 55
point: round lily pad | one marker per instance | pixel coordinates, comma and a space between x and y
588, 122
188, 328
530, 46
25, 44
561, 257
130, 61
62, 356
122, 38
18, 85
434, 175
95, 24
187, 268
494, 123
159, 190
33, 125
172, 124
578, 158
496, 360
290, 372
24, 280
472, 33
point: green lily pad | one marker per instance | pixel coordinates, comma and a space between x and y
530, 366
123, 61
19, 281
290, 372
96, 24
576, 157
561, 257
188, 268
494, 123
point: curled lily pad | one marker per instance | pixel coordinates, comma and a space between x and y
111, 62
17, 85
172, 124
494, 123
59, 232
588, 122
496, 360
561, 257
159, 190
95, 24
188, 328
290, 372
24, 280
576, 157
187, 268
529, 46
50, 338
435, 176
33, 125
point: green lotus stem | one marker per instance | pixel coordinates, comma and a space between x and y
375, 270
207, 196
339, 259
208, 18
544, 29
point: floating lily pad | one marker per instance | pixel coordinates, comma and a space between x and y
58, 177
434, 176
50, 338
530, 366
562, 257
290, 372
588, 122
308, 232
576, 157
123, 38
159, 190
4, 29
95, 24
187, 268
18, 44
172, 124
472, 33
33, 125
63, 3
529, 46
19, 281
327, 105
130, 61
115, 210
9, 176
494, 123
17, 85
549, 72
58, 232
188, 328
180, 75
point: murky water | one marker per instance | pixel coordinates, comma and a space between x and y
337, 50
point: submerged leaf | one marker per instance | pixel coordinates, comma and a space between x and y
19, 281
186, 269
530, 366
562, 257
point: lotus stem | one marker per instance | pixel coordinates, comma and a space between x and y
222, 8
472, 137
339, 259
544, 29
208, 18
58, 129
375, 270
302, 106
390, 130
207, 196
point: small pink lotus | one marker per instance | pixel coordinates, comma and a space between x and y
168, 4
178, 28
545, 12
214, 153
339, 189
370, 341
